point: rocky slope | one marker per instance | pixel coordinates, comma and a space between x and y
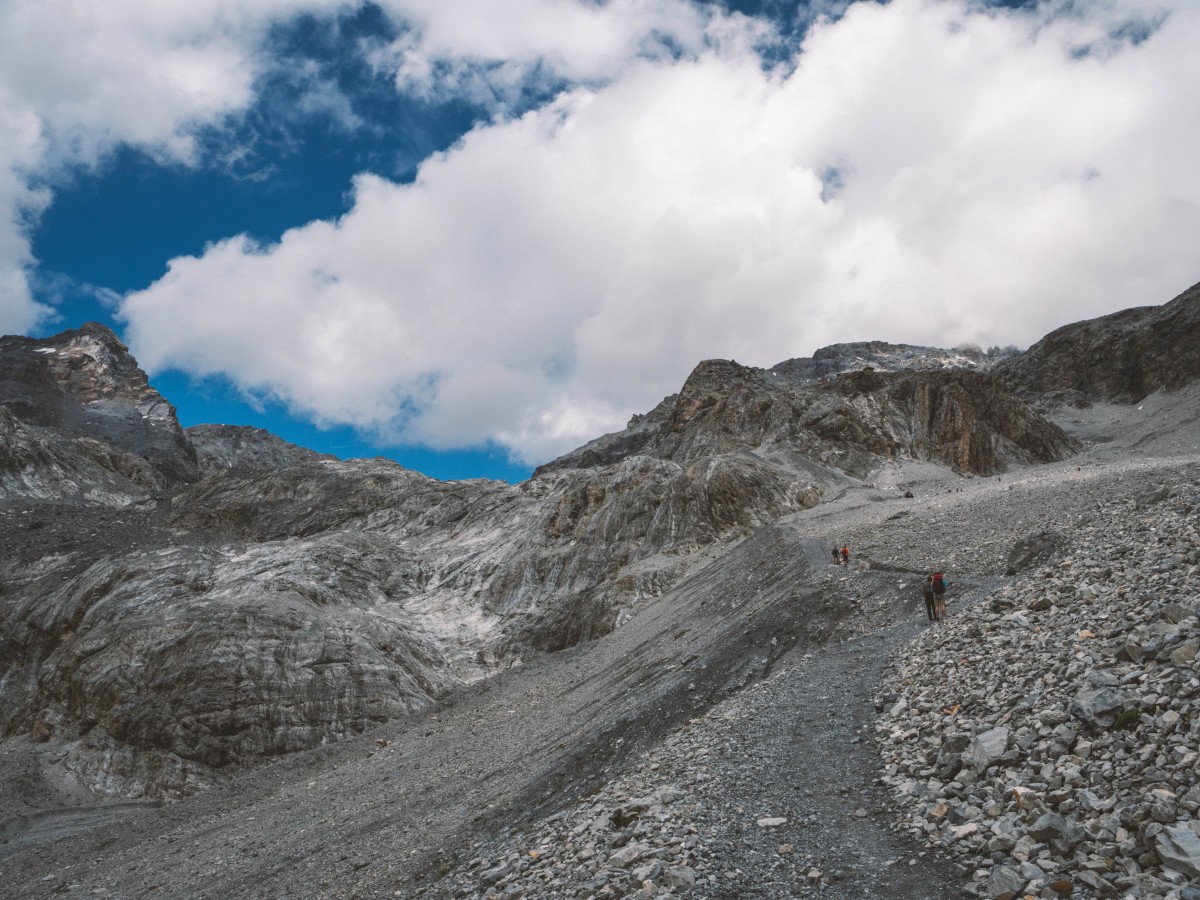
881, 356
743, 694
962, 419
222, 447
349, 593
1047, 737
84, 385
1122, 357
379, 636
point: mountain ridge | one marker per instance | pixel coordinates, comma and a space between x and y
162, 637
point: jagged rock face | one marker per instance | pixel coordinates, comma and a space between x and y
320, 495
963, 419
247, 449
39, 463
881, 356
84, 384
199, 658
614, 535
1122, 357
286, 599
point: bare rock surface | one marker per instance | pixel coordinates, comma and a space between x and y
962, 419
285, 600
1086, 665
636, 674
222, 447
1122, 357
84, 384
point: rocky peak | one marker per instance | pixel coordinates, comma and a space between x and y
882, 356
958, 417
1121, 357
92, 365
710, 382
85, 384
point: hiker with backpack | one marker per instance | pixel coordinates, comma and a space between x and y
930, 606
845, 554
836, 558
938, 584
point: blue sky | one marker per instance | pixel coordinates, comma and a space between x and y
473, 236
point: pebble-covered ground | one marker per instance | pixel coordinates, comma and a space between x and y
1039, 743
874, 767
1047, 737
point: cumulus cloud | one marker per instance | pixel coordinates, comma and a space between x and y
79, 79
494, 53
921, 171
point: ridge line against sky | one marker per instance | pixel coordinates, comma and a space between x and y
473, 236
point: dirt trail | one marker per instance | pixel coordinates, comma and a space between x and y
810, 759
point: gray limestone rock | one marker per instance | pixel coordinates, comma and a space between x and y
220, 448
1122, 357
84, 385
1034, 549
986, 749
1099, 700
1179, 848
1004, 883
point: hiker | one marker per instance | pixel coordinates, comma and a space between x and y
927, 590
938, 584
836, 557
845, 554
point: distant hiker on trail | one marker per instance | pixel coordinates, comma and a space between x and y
836, 557
927, 590
845, 554
939, 595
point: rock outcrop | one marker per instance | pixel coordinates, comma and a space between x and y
83, 384
154, 668
966, 420
157, 635
245, 448
1122, 357
286, 599
880, 356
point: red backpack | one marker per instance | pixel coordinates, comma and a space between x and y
938, 584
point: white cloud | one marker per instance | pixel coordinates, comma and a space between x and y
925, 172
79, 79
491, 52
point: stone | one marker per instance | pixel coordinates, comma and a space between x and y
1185, 652
1099, 699
1004, 883
679, 878
771, 821
987, 748
491, 876
626, 855
1053, 716
1179, 848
